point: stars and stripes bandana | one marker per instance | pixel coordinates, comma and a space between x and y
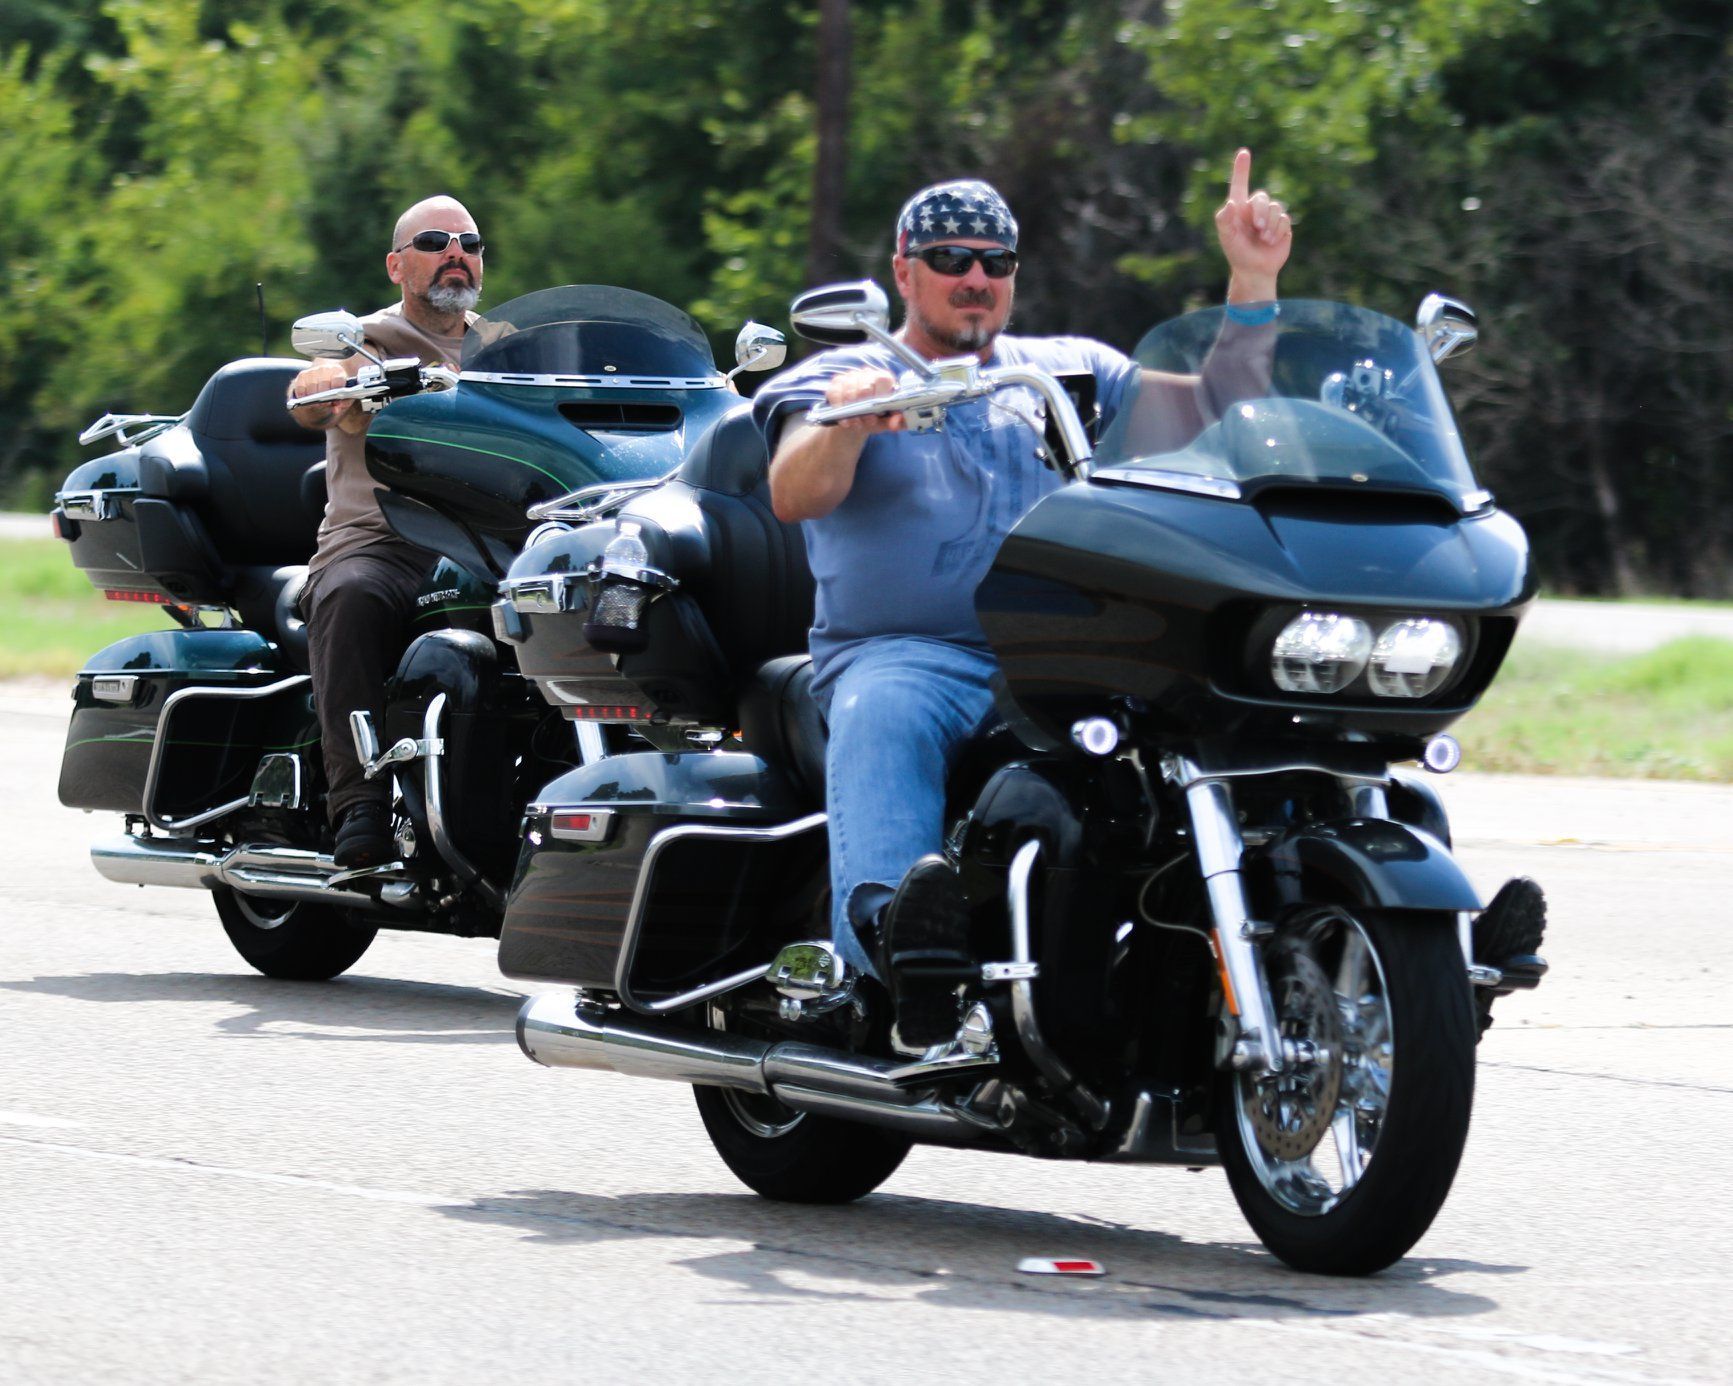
964, 208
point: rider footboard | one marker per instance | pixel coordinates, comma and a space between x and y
178, 726
650, 875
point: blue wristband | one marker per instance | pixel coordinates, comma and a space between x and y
1253, 314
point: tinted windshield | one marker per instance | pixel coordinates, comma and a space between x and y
1327, 394
588, 330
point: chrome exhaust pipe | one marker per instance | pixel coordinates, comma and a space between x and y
281, 873
831, 1082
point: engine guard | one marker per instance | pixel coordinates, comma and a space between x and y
1372, 861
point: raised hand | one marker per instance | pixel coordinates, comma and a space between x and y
1256, 235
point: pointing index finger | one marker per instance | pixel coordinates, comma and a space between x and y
1239, 186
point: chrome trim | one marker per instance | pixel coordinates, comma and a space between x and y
103, 504
598, 382
286, 873
1152, 1135
277, 782
169, 706
641, 894
1023, 995
556, 1032
601, 823
114, 688
148, 426
590, 502
592, 745
433, 802
538, 596
1161, 479
1216, 835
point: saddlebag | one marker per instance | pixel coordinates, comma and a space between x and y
684, 868
181, 726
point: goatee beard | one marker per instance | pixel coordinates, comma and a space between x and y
453, 298
972, 336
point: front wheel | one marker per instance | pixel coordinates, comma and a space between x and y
1341, 1161
295, 940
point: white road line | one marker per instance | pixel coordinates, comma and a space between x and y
183, 1165
32, 1119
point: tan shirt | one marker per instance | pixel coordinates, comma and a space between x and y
353, 519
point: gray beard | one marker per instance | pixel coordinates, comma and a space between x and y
453, 298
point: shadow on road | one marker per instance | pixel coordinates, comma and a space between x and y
963, 1255
387, 1009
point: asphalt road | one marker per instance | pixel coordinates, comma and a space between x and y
206, 1175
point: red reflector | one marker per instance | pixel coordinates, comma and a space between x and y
120, 594
1045, 1265
573, 822
54, 523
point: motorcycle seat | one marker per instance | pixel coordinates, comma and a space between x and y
780, 722
268, 600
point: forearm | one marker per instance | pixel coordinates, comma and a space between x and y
813, 470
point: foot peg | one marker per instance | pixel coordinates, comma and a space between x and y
812, 979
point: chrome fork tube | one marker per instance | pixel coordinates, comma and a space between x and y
1216, 832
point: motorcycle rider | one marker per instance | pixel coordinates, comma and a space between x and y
363, 578
901, 526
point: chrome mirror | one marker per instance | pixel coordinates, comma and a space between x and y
336, 335
848, 314
841, 314
758, 348
1447, 326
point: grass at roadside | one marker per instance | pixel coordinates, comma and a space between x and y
51, 618
1667, 714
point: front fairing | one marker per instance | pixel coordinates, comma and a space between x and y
1158, 595
560, 389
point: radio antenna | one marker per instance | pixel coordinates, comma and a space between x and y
264, 334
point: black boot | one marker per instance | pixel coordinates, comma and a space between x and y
364, 835
923, 951
1507, 935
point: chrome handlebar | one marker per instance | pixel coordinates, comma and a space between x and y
378, 385
961, 381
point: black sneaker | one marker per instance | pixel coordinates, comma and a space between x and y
364, 836
925, 952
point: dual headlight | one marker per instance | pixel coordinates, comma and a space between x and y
1325, 651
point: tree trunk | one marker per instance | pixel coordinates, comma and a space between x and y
830, 167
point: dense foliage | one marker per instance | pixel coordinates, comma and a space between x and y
1565, 165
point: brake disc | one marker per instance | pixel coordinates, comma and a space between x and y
1291, 1111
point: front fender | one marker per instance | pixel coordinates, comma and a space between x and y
1366, 861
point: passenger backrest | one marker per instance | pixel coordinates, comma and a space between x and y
756, 591
259, 507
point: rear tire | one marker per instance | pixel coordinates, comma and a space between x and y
796, 1157
1405, 1035
294, 940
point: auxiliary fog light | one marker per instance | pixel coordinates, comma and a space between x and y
1320, 652
1413, 658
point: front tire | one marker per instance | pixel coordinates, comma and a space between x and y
796, 1157
294, 940
1341, 1164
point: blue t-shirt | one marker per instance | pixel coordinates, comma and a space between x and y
904, 552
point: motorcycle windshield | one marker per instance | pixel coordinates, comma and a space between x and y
601, 334
1325, 394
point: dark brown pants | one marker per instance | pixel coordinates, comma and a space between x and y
358, 610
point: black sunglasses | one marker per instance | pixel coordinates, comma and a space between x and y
957, 260
432, 242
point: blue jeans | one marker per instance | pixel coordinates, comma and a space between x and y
899, 714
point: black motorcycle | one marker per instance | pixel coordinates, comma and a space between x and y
1214, 926
205, 737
